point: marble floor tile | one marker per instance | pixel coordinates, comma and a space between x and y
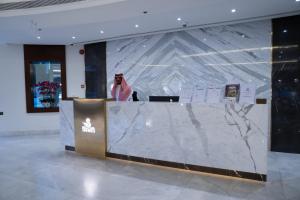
38, 168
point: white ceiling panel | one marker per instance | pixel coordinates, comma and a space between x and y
117, 18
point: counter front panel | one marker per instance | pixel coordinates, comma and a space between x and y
222, 136
228, 139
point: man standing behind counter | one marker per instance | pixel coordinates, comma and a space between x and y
121, 91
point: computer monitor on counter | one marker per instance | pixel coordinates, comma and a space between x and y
164, 98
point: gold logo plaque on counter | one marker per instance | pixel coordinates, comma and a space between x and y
90, 127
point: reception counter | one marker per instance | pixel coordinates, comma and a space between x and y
228, 139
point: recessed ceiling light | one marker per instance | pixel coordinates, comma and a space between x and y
136, 26
285, 30
101, 31
297, 0
38, 37
233, 10
178, 19
73, 37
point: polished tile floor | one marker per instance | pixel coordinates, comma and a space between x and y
37, 168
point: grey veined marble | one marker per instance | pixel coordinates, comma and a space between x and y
163, 64
226, 136
66, 121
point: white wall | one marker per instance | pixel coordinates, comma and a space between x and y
75, 71
12, 90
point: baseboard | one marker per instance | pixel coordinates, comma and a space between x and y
225, 172
28, 133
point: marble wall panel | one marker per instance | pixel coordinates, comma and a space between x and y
165, 64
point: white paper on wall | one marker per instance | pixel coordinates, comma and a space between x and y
199, 94
186, 94
247, 93
213, 94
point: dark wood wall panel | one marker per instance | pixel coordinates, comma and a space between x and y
43, 52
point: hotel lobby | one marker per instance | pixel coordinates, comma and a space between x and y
140, 99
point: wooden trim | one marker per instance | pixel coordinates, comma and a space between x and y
43, 52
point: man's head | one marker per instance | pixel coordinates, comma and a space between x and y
118, 78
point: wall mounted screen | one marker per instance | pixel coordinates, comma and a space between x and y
46, 84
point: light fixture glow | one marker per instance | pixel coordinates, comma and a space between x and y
253, 63
285, 30
38, 37
297, 0
239, 50
233, 10
136, 26
90, 186
101, 31
178, 19
148, 123
156, 65
73, 37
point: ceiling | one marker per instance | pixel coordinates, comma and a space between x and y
84, 20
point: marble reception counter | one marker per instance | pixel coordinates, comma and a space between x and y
66, 119
228, 139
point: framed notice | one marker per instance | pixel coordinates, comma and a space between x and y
232, 92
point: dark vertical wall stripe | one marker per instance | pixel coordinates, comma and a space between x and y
95, 70
285, 136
